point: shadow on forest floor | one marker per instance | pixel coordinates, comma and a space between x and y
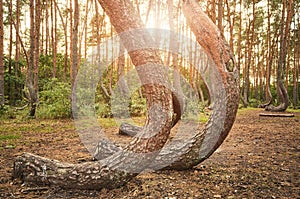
259, 159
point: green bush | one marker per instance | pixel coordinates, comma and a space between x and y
103, 110
55, 101
137, 105
6, 112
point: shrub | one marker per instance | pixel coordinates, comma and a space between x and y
55, 100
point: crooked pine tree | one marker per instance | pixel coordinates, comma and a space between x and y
112, 170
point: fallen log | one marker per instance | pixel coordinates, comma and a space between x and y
128, 129
276, 115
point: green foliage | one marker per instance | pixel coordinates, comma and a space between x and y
137, 105
253, 102
14, 81
55, 100
194, 110
6, 112
103, 110
46, 69
9, 137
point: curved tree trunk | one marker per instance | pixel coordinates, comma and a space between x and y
196, 144
284, 32
204, 142
112, 171
119, 168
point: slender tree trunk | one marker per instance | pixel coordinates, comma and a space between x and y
296, 69
65, 27
18, 86
99, 28
220, 15
32, 67
47, 39
268, 94
178, 97
54, 38
10, 48
38, 11
239, 48
1, 56
231, 23
74, 42
71, 40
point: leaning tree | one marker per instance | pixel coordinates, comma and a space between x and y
148, 150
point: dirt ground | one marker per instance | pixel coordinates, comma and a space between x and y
259, 159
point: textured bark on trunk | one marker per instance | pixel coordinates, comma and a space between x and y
1, 56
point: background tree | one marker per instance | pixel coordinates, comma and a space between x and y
32, 71
74, 43
1, 56
286, 19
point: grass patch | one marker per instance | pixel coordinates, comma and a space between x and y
9, 137
201, 117
107, 122
242, 111
293, 110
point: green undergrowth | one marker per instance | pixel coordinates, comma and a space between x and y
243, 111
9, 137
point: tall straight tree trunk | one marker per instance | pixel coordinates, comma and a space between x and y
54, 37
47, 39
220, 15
18, 90
268, 94
296, 69
1, 56
32, 67
74, 58
10, 48
65, 27
37, 44
71, 40
239, 47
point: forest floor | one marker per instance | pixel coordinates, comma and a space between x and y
259, 159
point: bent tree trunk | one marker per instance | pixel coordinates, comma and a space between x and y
184, 152
196, 144
122, 166
284, 32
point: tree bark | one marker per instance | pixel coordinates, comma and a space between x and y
1, 56
75, 64
32, 71
296, 69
